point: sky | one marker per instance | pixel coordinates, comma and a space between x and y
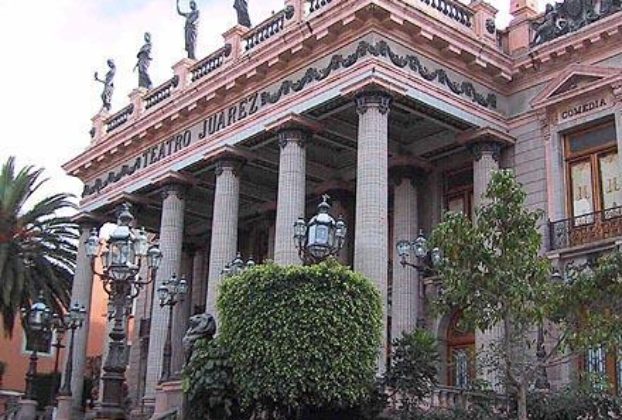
50, 50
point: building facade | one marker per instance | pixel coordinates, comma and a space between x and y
399, 110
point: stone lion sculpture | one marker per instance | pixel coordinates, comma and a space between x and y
200, 326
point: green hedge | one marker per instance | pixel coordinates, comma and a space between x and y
301, 338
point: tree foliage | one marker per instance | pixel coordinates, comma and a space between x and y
494, 271
37, 244
301, 337
413, 372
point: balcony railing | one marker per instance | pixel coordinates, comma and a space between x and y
452, 9
120, 118
161, 93
268, 28
315, 5
586, 228
445, 397
210, 63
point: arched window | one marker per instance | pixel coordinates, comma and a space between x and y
460, 353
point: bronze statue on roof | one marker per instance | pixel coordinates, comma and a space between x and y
191, 29
241, 6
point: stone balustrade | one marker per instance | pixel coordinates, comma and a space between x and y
315, 5
268, 28
453, 10
210, 63
120, 118
445, 397
161, 93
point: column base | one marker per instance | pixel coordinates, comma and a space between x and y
65, 408
27, 410
107, 412
169, 398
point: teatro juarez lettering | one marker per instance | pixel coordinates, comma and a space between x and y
178, 142
577, 110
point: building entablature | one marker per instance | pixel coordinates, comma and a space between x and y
371, 60
243, 62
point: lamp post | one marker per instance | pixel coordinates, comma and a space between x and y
38, 321
425, 259
321, 237
170, 293
124, 253
73, 320
238, 266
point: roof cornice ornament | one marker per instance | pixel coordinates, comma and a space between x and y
569, 16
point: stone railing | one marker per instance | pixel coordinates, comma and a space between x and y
210, 63
586, 228
445, 397
453, 10
161, 93
315, 5
117, 120
268, 28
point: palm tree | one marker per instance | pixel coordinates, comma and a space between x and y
37, 245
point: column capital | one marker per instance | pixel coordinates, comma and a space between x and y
485, 140
229, 164
176, 189
86, 220
373, 98
482, 148
298, 135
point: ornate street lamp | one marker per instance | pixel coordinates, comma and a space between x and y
170, 293
122, 257
321, 237
237, 266
73, 320
38, 323
425, 259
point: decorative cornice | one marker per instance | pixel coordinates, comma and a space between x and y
379, 99
380, 49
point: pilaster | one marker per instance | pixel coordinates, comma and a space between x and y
371, 256
171, 239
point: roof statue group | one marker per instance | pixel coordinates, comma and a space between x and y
571, 15
143, 62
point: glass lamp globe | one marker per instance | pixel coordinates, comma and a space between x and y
162, 293
420, 246
321, 234
154, 256
403, 249
92, 243
141, 244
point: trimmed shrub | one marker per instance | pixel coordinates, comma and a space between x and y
301, 339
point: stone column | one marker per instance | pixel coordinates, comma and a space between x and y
486, 160
291, 197
224, 227
405, 298
198, 280
81, 292
371, 255
171, 238
181, 315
